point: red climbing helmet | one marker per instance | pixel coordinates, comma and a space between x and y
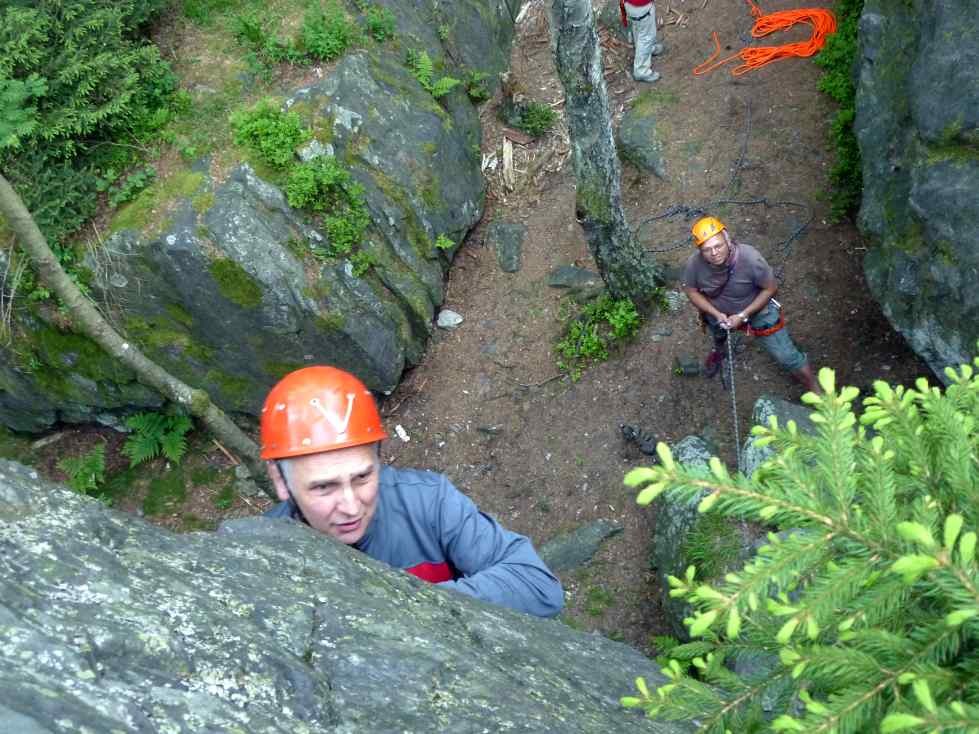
318, 409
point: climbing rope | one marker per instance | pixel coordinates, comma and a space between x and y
734, 403
823, 23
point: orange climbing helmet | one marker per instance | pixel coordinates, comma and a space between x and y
705, 228
318, 409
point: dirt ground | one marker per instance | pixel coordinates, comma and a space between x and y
544, 454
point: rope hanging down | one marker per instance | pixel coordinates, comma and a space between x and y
823, 23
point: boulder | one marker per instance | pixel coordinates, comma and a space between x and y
917, 123
638, 140
675, 520
752, 455
681, 532
572, 550
108, 623
213, 275
507, 241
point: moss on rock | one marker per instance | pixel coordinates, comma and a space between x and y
235, 283
147, 208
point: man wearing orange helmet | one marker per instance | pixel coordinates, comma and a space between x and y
321, 433
732, 286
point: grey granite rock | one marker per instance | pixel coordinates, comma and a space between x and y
109, 624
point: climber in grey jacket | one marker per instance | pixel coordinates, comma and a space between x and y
320, 435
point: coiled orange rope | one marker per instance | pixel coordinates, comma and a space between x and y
823, 23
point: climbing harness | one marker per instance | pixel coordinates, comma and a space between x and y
823, 23
768, 331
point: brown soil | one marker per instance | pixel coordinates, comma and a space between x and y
544, 454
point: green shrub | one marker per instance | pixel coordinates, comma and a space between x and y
129, 188
380, 23
444, 242
324, 185
75, 76
270, 133
476, 89
536, 119
837, 58
201, 11
327, 32
156, 433
86, 472
601, 323
866, 602
362, 262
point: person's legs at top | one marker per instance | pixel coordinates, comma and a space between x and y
642, 23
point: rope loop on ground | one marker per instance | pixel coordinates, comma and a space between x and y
821, 20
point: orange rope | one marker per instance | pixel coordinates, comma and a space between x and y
823, 23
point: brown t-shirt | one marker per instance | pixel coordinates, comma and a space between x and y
750, 275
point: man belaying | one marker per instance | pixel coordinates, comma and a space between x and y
640, 17
321, 434
732, 286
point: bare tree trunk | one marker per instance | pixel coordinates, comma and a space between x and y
627, 269
88, 321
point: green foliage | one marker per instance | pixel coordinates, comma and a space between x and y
601, 323
156, 433
270, 133
324, 185
837, 58
226, 497
423, 69
443, 32
86, 472
475, 82
327, 32
129, 188
380, 23
712, 545
597, 600
165, 494
75, 77
444, 242
536, 119
866, 602
201, 11
20, 116
362, 262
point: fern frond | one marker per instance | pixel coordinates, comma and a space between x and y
140, 447
174, 446
424, 70
443, 86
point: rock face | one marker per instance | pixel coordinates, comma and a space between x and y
108, 623
917, 122
726, 543
212, 274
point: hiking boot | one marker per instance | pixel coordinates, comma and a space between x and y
648, 78
712, 365
657, 49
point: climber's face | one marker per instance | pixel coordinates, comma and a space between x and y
335, 490
716, 249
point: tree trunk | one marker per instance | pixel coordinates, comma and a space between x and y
87, 320
627, 269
